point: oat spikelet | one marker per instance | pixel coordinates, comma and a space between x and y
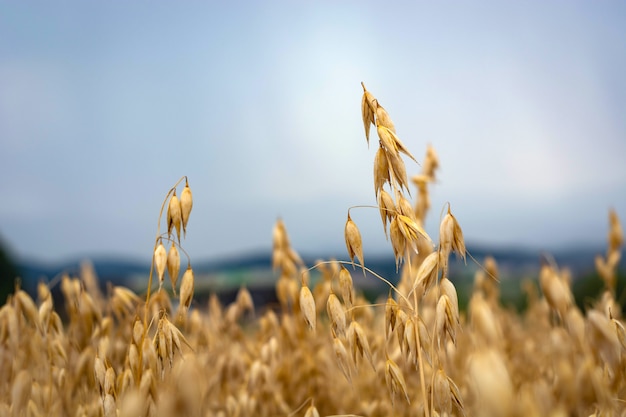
483, 320
620, 331
359, 344
346, 286
367, 111
45, 313
396, 143
343, 359
493, 389
458, 242
108, 406
395, 381
398, 170
311, 412
427, 272
409, 340
451, 236
27, 306
424, 337
186, 288
109, 380
403, 206
353, 242
173, 265
446, 230
178, 339
412, 231
307, 306
442, 393
336, 314
160, 262
391, 311
124, 300
445, 319
280, 238
383, 119
186, 204
43, 291
163, 344
244, 300
381, 170
398, 241
387, 208
448, 289
174, 216
431, 163
387, 140
99, 371
555, 290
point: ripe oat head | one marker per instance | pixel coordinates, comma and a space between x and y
307, 306
160, 261
173, 266
353, 242
186, 203
174, 216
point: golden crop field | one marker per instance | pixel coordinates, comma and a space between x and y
324, 350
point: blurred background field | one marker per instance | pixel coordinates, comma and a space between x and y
254, 271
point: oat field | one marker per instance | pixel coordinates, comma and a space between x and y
324, 350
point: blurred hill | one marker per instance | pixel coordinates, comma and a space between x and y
254, 269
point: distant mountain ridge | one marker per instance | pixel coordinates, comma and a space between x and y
511, 261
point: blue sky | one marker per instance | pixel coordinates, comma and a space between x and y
105, 105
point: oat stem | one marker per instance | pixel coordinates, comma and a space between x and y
421, 359
393, 287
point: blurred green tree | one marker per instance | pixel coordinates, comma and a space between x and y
8, 272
